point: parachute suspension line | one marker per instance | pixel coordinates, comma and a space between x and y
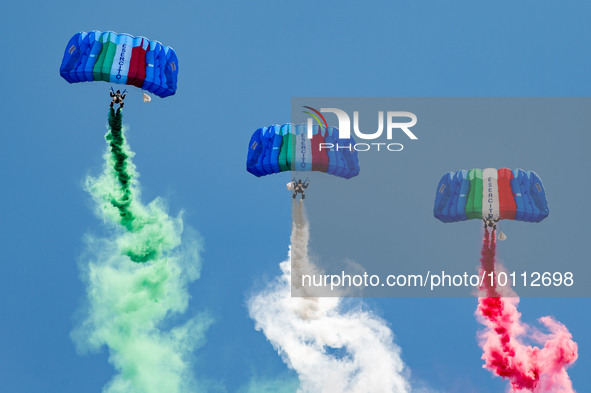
294, 177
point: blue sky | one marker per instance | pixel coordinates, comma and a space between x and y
240, 64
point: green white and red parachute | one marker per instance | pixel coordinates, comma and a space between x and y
121, 59
284, 148
505, 194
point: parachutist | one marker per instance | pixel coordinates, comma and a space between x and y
298, 187
490, 222
117, 97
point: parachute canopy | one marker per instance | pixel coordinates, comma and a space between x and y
506, 194
285, 148
121, 59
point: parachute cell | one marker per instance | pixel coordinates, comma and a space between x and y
285, 148
121, 59
506, 194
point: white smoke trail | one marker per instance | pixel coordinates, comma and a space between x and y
333, 349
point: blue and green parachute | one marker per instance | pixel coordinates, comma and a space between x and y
502, 194
276, 149
121, 59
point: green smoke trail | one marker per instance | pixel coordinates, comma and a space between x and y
116, 194
119, 156
129, 302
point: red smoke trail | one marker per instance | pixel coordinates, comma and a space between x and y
527, 368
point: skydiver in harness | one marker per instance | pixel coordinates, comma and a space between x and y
118, 97
298, 187
490, 222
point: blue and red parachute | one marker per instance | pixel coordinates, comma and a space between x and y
276, 149
502, 194
121, 59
